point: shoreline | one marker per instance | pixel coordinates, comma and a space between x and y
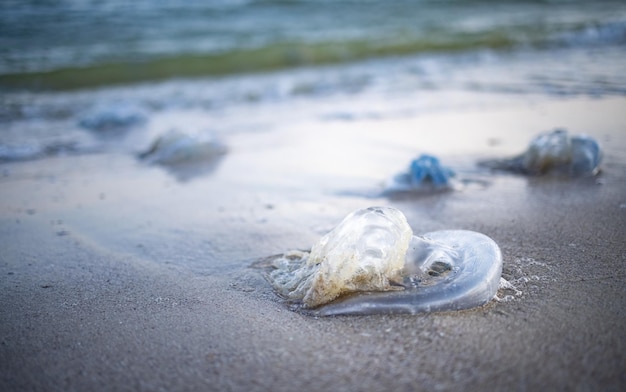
117, 276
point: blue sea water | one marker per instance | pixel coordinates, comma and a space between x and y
78, 43
76, 72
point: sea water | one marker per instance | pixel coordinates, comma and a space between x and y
79, 77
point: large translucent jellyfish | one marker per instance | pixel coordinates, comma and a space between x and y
555, 152
425, 173
371, 263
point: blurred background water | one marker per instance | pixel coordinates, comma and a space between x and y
76, 74
79, 43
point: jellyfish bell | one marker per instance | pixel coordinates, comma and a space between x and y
363, 253
425, 174
546, 151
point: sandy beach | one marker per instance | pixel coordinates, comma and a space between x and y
117, 275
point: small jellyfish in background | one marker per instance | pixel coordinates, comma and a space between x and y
372, 263
555, 152
425, 173
185, 156
177, 148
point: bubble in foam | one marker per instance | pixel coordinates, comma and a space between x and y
372, 263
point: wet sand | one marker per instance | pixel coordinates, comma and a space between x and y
119, 276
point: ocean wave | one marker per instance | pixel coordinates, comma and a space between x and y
608, 33
267, 58
282, 55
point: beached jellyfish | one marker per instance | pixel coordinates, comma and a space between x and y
555, 152
372, 263
425, 173
177, 148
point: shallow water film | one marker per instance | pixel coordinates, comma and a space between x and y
371, 263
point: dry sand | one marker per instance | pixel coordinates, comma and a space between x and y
115, 276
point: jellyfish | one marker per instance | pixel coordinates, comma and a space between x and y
177, 148
555, 152
372, 263
185, 156
425, 173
